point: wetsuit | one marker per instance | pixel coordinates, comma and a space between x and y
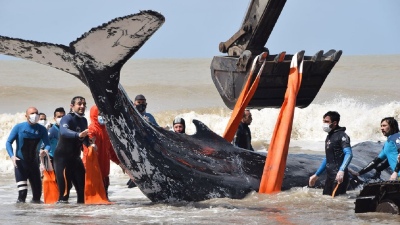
28, 137
68, 164
243, 137
150, 118
338, 157
105, 151
388, 153
54, 134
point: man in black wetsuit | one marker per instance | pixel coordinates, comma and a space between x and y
27, 135
243, 135
67, 161
338, 156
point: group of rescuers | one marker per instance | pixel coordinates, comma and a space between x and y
64, 141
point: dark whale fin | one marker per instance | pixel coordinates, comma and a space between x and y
112, 44
204, 133
109, 45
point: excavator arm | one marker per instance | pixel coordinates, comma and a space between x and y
256, 28
230, 72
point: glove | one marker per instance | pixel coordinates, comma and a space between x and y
312, 180
339, 177
94, 146
43, 152
393, 176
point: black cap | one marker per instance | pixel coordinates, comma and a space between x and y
179, 120
140, 97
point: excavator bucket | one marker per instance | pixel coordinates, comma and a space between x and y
230, 72
229, 78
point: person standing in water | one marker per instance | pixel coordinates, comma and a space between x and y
389, 152
54, 132
28, 136
338, 156
141, 104
242, 137
68, 164
105, 151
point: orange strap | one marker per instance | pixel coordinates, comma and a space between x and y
275, 164
244, 98
95, 192
50, 188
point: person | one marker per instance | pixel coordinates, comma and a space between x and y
42, 119
68, 164
105, 151
54, 131
338, 156
389, 152
27, 136
242, 137
141, 104
179, 125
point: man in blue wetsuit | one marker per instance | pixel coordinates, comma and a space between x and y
28, 135
67, 161
389, 152
338, 156
54, 131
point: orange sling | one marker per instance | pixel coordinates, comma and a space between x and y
244, 98
94, 186
275, 164
50, 188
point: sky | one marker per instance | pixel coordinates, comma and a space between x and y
194, 29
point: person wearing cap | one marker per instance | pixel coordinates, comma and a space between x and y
141, 104
179, 125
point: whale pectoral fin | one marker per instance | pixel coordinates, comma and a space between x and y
113, 43
57, 56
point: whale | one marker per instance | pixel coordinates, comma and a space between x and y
166, 166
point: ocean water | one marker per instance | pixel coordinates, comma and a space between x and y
363, 89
